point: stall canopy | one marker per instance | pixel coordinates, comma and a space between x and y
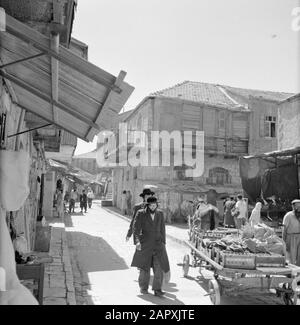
72, 173
271, 174
58, 85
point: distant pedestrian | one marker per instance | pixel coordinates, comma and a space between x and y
150, 234
124, 203
240, 212
128, 199
83, 201
90, 197
73, 198
228, 218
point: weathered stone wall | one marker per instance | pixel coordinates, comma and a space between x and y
258, 143
24, 219
172, 192
289, 123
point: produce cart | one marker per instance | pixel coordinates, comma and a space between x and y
246, 273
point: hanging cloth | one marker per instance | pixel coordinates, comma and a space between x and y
14, 179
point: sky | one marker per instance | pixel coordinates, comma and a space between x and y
159, 43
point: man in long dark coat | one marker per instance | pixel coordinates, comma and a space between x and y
145, 194
150, 237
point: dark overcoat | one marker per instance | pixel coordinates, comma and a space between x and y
152, 236
136, 208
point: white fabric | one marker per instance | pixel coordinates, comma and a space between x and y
12, 292
14, 179
241, 205
74, 195
255, 214
90, 195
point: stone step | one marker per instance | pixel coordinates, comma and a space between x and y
106, 203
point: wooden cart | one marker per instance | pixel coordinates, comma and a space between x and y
284, 280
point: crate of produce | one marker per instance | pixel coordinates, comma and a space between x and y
237, 260
270, 260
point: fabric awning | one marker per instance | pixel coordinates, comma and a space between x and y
72, 172
88, 98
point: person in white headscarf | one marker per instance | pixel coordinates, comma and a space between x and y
256, 214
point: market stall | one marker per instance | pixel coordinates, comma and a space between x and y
272, 178
244, 261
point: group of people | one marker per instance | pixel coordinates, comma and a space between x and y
85, 200
235, 212
149, 237
236, 215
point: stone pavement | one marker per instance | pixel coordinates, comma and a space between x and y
58, 281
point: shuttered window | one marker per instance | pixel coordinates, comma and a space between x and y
270, 126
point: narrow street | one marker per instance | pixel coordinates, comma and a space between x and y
101, 260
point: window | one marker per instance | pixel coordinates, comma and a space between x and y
222, 121
219, 176
270, 126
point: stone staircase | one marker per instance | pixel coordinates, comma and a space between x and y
108, 201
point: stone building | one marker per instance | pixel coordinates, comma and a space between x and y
49, 96
235, 122
289, 123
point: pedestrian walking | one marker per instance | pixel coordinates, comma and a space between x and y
83, 201
73, 198
128, 199
240, 212
291, 233
124, 203
90, 197
145, 195
228, 218
150, 237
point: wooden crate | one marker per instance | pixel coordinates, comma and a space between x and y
238, 261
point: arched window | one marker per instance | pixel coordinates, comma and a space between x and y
219, 176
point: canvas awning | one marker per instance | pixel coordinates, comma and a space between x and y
58, 85
72, 172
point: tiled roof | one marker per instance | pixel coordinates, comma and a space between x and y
214, 94
268, 95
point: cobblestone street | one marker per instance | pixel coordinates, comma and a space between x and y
101, 259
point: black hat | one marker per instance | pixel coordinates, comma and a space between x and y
146, 191
152, 199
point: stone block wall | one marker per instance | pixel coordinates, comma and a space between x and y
289, 123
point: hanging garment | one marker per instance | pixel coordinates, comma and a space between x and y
12, 292
14, 179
